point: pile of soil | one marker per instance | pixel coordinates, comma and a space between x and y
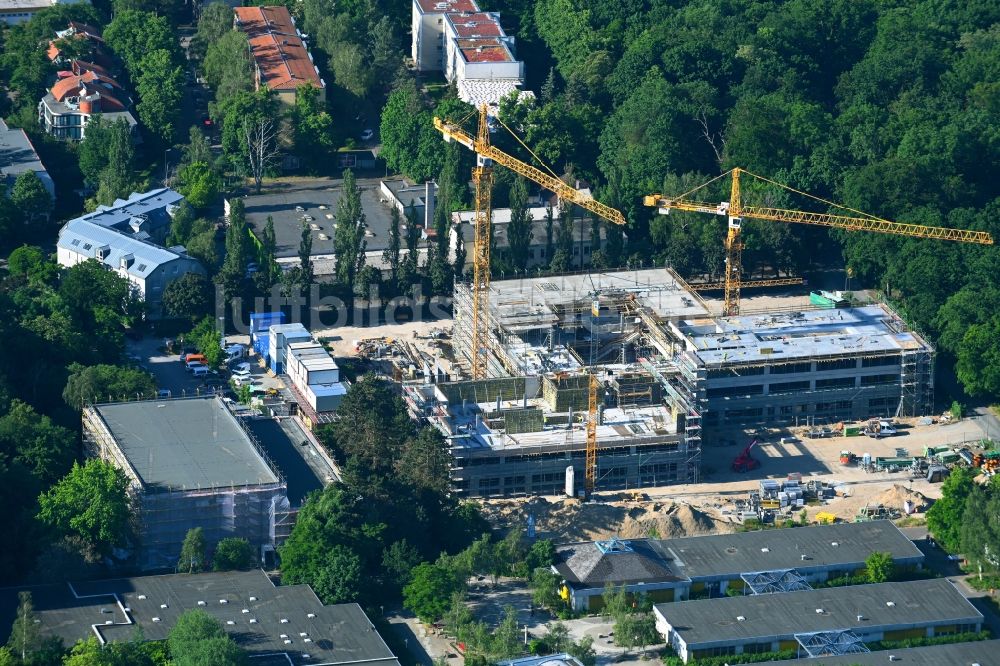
567, 520
896, 496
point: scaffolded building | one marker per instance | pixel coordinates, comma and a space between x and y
191, 463
778, 367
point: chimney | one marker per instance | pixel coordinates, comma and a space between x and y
429, 196
87, 101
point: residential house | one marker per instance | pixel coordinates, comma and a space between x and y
18, 155
469, 47
127, 238
282, 61
77, 96
86, 41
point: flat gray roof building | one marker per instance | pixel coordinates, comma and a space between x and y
192, 463
768, 622
728, 555
274, 624
186, 444
18, 155
974, 653
676, 569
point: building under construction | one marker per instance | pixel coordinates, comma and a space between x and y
522, 435
797, 367
191, 463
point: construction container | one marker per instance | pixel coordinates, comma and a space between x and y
827, 299
852, 431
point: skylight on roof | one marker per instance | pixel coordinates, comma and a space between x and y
87, 246
613, 545
141, 268
76, 241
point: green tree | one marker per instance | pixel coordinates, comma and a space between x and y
313, 127
116, 179
29, 194
160, 85
198, 148
349, 242
425, 462
944, 518
429, 591
234, 265
198, 639
636, 630
30, 263
91, 502
215, 20
978, 366
25, 638
208, 339
399, 560
36, 443
193, 550
338, 579
200, 183
227, 69
305, 257
519, 229
101, 383
350, 68
188, 297
391, 253
134, 34
545, 589
879, 567
233, 553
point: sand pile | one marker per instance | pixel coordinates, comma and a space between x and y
571, 520
895, 497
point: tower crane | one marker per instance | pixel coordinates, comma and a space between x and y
482, 176
736, 211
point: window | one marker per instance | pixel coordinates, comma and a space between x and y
874, 380
87, 246
732, 391
141, 268
879, 360
76, 242
788, 387
789, 368
839, 364
840, 382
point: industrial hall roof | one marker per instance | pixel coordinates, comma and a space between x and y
283, 624
859, 608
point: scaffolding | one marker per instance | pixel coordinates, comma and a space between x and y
259, 512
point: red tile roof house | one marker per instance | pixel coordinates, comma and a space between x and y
282, 61
75, 98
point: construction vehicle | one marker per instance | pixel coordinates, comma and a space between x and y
847, 458
482, 176
879, 428
745, 462
736, 212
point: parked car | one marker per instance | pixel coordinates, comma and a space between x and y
164, 393
241, 368
200, 371
194, 365
240, 380
367, 135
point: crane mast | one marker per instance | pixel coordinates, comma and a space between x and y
482, 175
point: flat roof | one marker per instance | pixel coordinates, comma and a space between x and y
281, 56
786, 336
630, 423
973, 653
253, 615
279, 200
446, 6
484, 49
741, 552
766, 616
17, 154
533, 303
185, 443
476, 24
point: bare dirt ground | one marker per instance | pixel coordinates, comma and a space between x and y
707, 508
343, 340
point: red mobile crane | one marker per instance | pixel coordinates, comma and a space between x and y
745, 462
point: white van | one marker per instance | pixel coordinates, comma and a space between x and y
200, 371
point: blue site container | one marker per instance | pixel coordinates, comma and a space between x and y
261, 321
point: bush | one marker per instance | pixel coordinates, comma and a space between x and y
924, 642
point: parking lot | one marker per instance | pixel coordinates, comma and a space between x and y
317, 198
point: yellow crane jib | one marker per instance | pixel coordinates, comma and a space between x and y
736, 212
